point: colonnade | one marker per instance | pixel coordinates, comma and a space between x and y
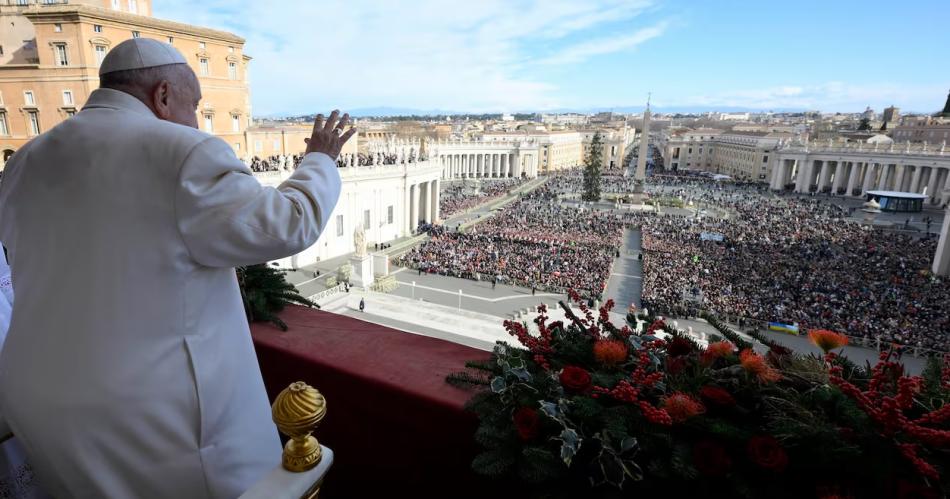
484, 165
857, 176
422, 201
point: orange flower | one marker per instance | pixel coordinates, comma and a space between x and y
827, 340
681, 406
610, 351
755, 364
716, 350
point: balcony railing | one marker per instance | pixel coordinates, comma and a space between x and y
396, 426
905, 148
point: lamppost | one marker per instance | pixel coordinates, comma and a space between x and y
413, 290
460, 300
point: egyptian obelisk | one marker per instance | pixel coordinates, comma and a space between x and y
640, 175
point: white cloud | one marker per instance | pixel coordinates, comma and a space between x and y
828, 96
607, 45
427, 54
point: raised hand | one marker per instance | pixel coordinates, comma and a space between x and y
328, 137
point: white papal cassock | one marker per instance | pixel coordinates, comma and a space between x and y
128, 370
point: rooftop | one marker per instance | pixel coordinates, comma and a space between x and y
52, 13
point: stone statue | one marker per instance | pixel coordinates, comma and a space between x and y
359, 241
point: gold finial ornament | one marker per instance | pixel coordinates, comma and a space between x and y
297, 412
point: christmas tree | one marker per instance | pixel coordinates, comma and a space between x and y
592, 167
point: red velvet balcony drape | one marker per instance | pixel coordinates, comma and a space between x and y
396, 427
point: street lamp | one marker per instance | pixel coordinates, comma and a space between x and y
460, 300
413, 290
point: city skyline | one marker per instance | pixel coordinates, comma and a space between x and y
498, 56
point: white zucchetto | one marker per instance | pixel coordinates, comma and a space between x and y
140, 53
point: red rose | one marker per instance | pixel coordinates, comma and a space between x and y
679, 346
767, 452
717, 396
711, 459
527, 423
575, 379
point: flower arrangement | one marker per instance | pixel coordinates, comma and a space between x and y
583, 408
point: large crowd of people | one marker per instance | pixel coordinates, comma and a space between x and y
771, 258
535, 243
793, 260
456, 197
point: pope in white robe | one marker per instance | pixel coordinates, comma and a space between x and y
128, 370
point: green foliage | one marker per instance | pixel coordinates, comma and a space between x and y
493, 463
865, 124
266, 292
671, 202
593, 165
559, 440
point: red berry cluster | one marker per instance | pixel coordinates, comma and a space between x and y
889, 395
641, 380
909, 451
539, 345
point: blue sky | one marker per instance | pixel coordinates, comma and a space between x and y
515, 55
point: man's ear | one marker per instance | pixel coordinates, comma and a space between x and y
160, 100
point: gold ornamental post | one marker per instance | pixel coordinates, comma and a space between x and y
297, 412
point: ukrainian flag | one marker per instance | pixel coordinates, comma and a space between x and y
784, 328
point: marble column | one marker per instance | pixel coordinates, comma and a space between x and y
413, 208
915, 179
941, 264
882, 180
932, 192
853, 178
898, 184
804, 175
824, 172
503, 164
424, 203
945, 195
434, 202
836, 177
870, 172
776, 174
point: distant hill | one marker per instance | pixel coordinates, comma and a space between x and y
382, 111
